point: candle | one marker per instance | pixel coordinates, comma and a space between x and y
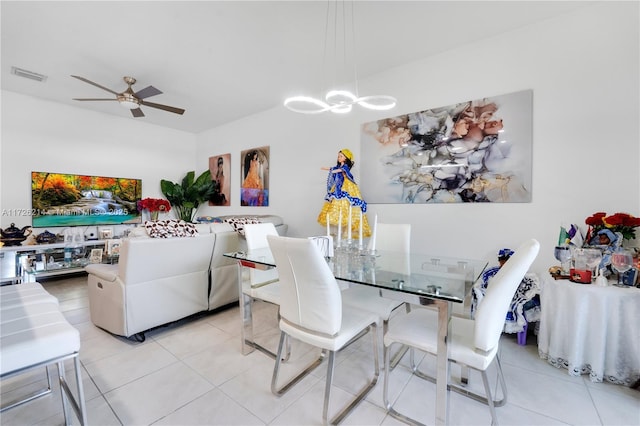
373, 234
339, 227
360, 233
349, 230
328, 229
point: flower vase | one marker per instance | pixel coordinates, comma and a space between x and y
154, 216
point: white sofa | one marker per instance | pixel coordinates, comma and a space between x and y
161, 280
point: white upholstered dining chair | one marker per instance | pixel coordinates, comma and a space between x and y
312, 311
262, 284
472, 343
392, 237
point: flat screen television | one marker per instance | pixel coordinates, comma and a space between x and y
78, 200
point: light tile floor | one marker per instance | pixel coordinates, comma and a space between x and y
192, 373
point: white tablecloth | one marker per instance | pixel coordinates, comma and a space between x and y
591, 330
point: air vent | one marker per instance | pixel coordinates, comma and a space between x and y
28, 74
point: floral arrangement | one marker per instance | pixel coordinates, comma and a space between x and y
623, 223
154, 205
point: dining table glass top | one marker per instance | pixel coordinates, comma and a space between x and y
431, 276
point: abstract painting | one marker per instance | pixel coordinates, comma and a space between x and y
477, 151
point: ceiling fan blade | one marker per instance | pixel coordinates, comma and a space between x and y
163, 107
137, 112
147, 92
95, 84
94, 99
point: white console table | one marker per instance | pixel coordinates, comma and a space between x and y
28, 263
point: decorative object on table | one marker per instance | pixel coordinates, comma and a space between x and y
254, 183
113, 247
624, 223
13, 236
344, 206
96, 256
562, 253
46, 237
601, 280
154, 206
105, 233
220, 168
621, 262
186, 197
459, 153
570, 235
585, 264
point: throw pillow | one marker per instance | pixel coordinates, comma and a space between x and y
208, 219
170, 228
238, 223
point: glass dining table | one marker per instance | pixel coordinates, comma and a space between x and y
421, 279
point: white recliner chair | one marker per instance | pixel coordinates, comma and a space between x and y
157, 281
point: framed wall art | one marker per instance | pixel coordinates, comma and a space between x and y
220, 168
477, 151
254, 185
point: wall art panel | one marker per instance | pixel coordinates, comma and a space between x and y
471, 152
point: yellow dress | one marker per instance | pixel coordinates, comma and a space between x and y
342, 193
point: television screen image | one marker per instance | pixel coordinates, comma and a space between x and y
78, 200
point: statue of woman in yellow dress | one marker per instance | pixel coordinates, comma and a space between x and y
343, 193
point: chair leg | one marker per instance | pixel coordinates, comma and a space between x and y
330, 368
373, 329
33, 396
385, 391
276, 369
78, 405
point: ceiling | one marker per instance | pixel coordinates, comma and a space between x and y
224, 60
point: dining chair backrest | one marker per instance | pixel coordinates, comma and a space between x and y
393, 237
489, 319
309, 294
256, 234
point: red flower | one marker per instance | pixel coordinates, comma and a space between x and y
154, 205
618, 222
595, 219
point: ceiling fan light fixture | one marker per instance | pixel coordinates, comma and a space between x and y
127, 101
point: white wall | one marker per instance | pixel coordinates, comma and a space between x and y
45, 136
583, 70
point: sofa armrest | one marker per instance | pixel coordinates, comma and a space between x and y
105, 272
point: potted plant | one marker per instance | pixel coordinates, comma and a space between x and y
185, 197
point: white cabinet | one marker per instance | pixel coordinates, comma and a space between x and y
28, 263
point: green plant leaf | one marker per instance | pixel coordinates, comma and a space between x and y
186, 196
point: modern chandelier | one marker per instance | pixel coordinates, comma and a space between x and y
339, 100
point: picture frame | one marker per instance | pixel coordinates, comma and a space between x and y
96, 256
105, 233
254, 174
220, 168
113, 247
477, 151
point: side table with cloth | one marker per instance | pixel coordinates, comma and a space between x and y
591, 330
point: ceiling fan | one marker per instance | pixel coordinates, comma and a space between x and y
130, 99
